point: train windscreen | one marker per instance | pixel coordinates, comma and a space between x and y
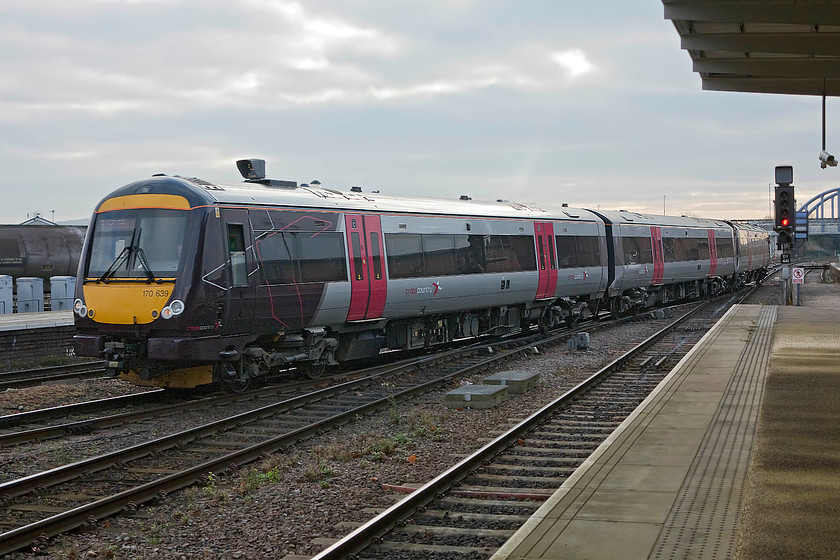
137, 243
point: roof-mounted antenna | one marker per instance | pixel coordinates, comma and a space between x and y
251, 169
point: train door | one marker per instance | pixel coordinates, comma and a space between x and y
240, 264
546, 259
658, 259
712, 253
367, 271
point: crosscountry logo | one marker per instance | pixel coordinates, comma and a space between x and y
433, 290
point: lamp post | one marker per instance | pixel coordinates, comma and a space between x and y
664, 198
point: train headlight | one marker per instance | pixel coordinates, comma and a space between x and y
173, 309
177, 307
80, 308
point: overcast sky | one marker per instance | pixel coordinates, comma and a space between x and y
546, 101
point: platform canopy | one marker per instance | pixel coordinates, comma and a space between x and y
767, 46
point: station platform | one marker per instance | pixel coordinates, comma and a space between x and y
28, 337
35, 320
735, 453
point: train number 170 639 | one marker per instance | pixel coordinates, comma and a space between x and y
156, 293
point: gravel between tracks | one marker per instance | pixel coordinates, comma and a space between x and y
279, 505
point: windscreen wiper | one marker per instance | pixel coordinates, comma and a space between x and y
141, 256
122, 258
118, 262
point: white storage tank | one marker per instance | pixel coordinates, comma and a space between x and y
30, 294
62, 290
7, 290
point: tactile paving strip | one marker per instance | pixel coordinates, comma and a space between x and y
703, 524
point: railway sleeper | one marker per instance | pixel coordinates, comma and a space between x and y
438, 530
454, 503
468, 516
506, 491
528, 451
507, 459
388, 548
542, 472
550, 476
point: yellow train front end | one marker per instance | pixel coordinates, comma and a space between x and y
134, 281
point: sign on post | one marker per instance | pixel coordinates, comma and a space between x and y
797, 275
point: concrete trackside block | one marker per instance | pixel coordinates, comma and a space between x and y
516, 381
476, 396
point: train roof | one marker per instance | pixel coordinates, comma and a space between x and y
747, 226
199, 192
635, 218
287, 194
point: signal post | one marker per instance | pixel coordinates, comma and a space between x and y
785, 211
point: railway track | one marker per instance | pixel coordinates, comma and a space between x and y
47, 423
54, 501
74, 419
471, 509
39, 376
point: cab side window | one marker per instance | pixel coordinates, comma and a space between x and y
236, 253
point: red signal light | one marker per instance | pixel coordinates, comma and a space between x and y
785, 222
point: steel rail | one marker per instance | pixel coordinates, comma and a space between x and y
29, 378
12, 420
374, 529
92, 424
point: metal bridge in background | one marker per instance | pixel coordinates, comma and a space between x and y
823, 213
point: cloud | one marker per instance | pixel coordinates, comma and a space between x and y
325, 32
441, 87
574, 62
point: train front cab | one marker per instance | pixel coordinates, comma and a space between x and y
140, 303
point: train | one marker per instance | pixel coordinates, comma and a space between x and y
184, 282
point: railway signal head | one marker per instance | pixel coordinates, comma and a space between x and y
784, 208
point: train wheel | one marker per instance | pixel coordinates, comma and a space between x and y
235, 380
239, 385
313, 370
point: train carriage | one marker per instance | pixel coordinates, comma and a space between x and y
185, 282
753, 251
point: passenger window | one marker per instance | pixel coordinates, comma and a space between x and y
439, 255
566, 254
321, 257
587, 251
405, 255
290, 257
